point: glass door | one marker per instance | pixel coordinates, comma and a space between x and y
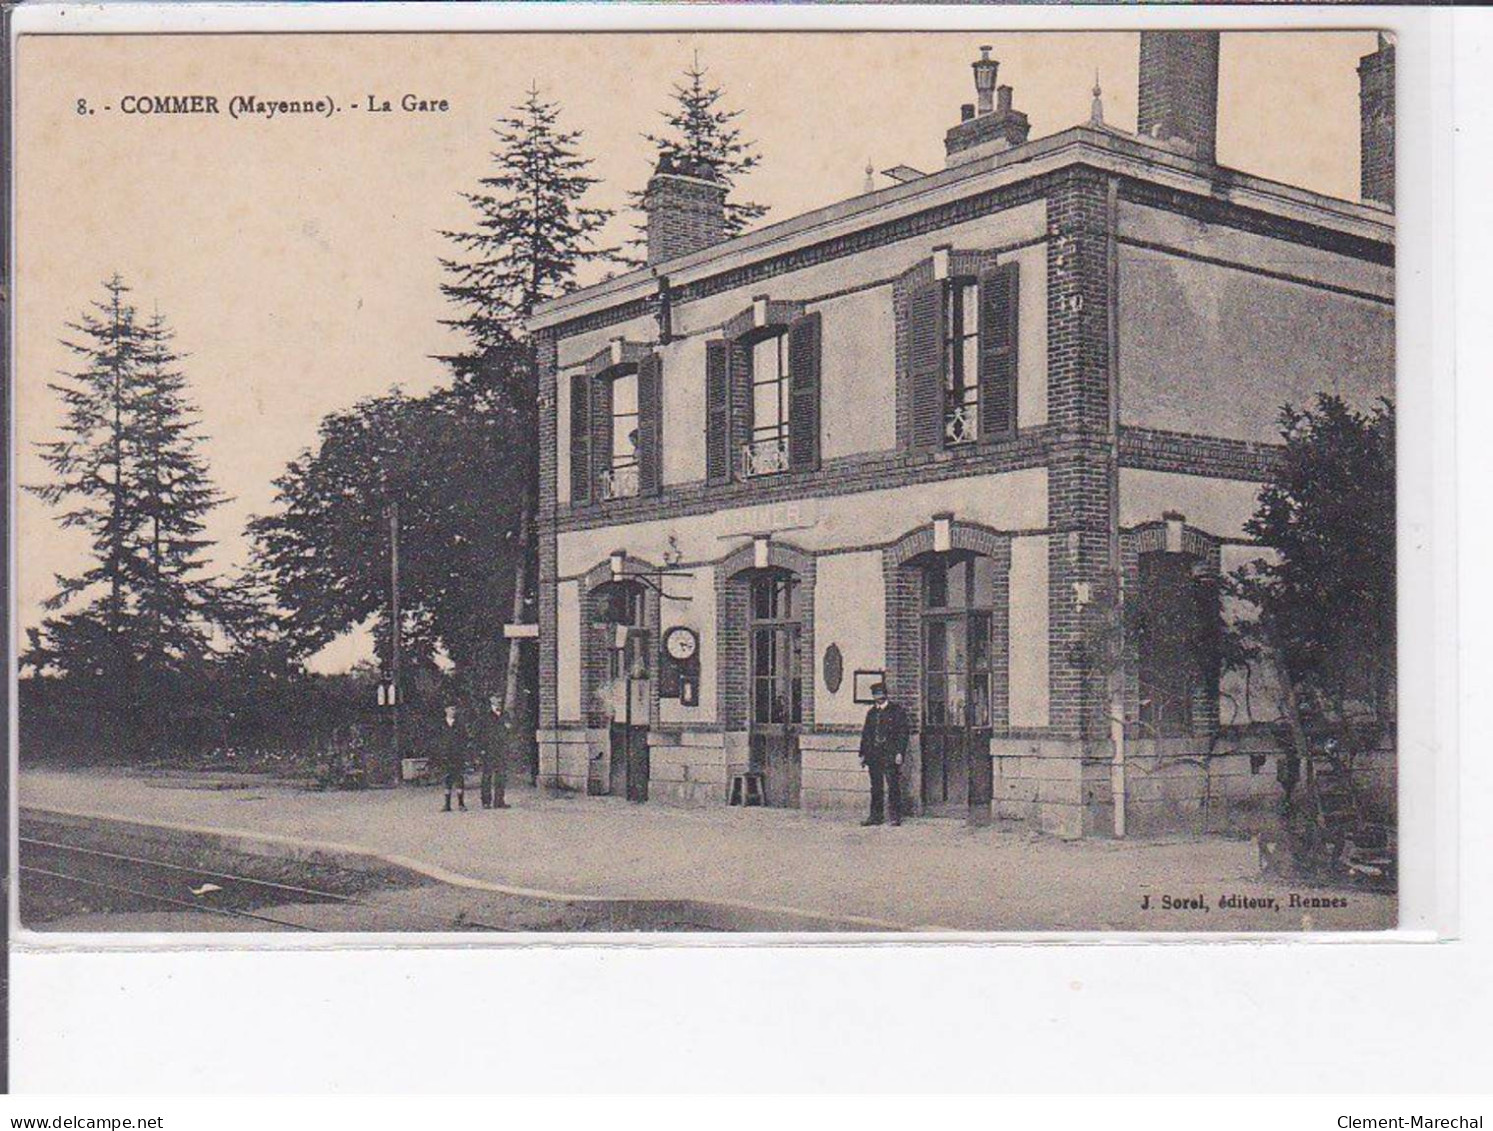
776, 704
958, 594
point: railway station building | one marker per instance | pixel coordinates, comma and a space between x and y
924, 437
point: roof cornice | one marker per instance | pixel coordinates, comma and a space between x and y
1100, 148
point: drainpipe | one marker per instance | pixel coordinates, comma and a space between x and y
1117, 668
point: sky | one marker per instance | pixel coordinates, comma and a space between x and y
297, 257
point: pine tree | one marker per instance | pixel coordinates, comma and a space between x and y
128, 473
701, 133
175, 495
89, 471
533, 233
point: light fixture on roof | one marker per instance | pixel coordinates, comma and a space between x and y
985, 68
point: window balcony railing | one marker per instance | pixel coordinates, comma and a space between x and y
620, 482
764, 457
961, 423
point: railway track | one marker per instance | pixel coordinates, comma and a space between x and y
120, 881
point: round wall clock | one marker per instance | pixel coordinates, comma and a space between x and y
681, 643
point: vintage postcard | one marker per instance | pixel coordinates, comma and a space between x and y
836, 483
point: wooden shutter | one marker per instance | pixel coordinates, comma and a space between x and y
650, 425
999, 299
601, 430
925, 333
718, 411
580, 438
741, 403
803, 402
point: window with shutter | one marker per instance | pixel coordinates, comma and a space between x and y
741, 417
961, 362
770, 406
580, 438
999, 298
650, 425
718, 411
601, 434
621, 479
803, 372
925, 344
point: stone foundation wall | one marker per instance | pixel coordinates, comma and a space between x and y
1177, 786
833, 777
566, 757
1060, 787
1039, 781
687, 767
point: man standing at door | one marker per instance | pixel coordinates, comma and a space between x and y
883, 746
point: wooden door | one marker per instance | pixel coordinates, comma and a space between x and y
956, 693
628, 772
776, 707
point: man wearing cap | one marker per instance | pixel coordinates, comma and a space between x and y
883, 746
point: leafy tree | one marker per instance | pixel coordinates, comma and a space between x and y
444, 460
128, 471
699, 132
1323, 605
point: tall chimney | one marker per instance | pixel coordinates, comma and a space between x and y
989, 126
1376, 107
685, 206
1179, 90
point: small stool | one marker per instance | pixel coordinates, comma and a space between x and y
746, 789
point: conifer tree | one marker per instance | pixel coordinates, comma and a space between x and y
175, 495
127, 472
700, 132
533, 232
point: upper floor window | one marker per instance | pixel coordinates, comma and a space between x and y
762, 394
961, 349
766, 451
957, 353
616, 425
620, 479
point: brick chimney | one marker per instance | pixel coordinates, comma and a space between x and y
1179, 91
990, 124
1376, 108
686, 209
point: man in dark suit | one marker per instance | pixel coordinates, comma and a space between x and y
492, 750
453, 754
883, 746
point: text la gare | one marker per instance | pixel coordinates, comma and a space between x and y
409, 103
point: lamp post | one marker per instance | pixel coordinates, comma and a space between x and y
649, 579
394, 642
